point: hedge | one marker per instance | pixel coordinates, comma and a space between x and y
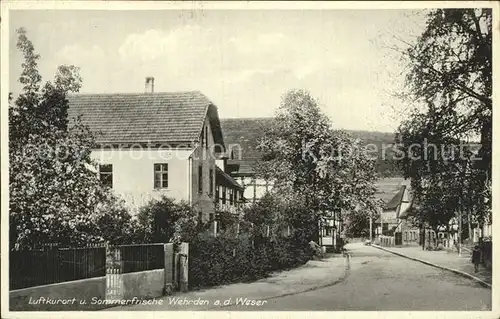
225, 259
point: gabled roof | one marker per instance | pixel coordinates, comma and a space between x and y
242, 136
386, 188
173, 117
396, 200
222, 178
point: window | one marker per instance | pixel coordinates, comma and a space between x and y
211, 178
106, 175
328, 231
206, 137
200, 179
202, 138
161, 176
217, 195
230, 196
223, 195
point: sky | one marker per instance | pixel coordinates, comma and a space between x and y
242, 60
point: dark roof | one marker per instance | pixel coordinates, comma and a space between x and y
174, 117
410, 211
387, 188
396, 200
222, 178
242, 136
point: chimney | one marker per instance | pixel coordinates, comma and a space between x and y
149, 86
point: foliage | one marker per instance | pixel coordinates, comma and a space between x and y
320, 169
251, 254
269, 214
228, 259
358, 221
114, 221
450, 74
451, 66
165, 220
55, 193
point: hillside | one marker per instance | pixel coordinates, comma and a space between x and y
382, 142
245, 132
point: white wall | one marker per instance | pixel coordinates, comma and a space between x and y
254, 188
204, 201
133, 173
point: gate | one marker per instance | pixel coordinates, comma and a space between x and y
398, 239
114, 270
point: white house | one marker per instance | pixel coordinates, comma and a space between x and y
153, 144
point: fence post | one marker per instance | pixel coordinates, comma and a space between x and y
184, 267
176, 271
169, 268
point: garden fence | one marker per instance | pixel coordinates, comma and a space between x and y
52, 264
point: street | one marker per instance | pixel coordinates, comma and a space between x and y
379, 281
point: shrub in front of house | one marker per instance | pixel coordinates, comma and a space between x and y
211, 260
227, 259
165, 220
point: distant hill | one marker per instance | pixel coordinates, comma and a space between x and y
245, 132
382, 142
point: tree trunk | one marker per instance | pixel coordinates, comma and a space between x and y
448, 237
471, 235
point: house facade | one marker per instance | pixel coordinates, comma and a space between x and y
242, 137
390, 191
150, 145
405, 207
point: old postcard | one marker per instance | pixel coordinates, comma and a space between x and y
248, 158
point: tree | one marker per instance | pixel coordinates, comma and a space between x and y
450, 73
40, 110
358, 219
271, 215
451, 66
311, 164
55, 193
166, 220
442, 171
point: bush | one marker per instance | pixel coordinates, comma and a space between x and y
166, 220
226, 259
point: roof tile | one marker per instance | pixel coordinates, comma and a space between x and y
142, 117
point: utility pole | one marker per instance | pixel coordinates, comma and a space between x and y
334, 232
332, 221
422, 231
320, 224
